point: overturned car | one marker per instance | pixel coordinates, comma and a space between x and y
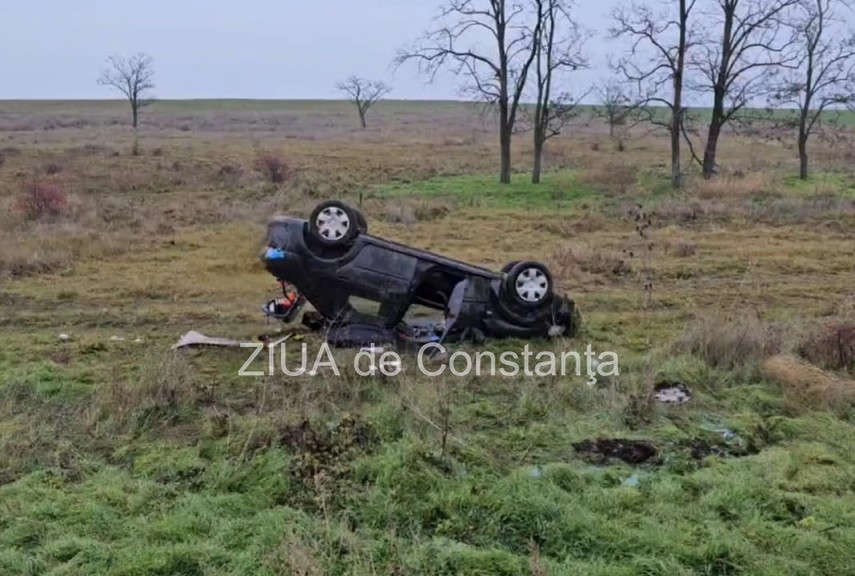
334, 263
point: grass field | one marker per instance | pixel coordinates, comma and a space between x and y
121, 457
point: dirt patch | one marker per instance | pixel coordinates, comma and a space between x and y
602, 450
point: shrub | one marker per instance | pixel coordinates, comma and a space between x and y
42, 199
273, 167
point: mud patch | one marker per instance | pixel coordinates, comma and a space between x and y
604, 450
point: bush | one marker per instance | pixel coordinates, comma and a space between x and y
273, 167
42, 199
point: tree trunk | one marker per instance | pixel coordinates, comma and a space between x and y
504, 144
803, 157
676, 172
538, 160
711, 147
134, 113
362, 119
677, 104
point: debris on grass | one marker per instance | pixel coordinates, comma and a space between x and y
194, 338
671, 392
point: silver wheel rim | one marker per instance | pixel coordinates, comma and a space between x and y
531, 285
333, 223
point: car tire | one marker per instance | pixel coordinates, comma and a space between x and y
361, 221
334, 223
507, 267
528, 284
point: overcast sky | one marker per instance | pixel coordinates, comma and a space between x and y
226, 48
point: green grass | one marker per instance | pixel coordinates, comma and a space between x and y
833, 183
556, 189
155, 505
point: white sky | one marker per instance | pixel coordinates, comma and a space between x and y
53, 49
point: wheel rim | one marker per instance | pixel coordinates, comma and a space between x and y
333, 223
531, 285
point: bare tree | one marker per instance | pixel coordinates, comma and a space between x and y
824, 77
656, 61
745, 44
615, 106
558, 47
363, 93
490, 43
133, 77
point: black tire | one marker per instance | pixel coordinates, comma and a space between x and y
334, 223
528, 284
361, 221
507, 267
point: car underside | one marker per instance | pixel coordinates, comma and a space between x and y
332, 263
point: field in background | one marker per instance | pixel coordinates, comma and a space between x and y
121, 457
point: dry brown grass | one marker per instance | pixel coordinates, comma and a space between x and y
806, 386
417, 210
755, 184
728, 342
681, 248
591, 258
610, 178
831, 346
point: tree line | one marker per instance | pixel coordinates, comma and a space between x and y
735, 55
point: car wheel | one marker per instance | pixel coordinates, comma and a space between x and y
529, 284
334, 223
